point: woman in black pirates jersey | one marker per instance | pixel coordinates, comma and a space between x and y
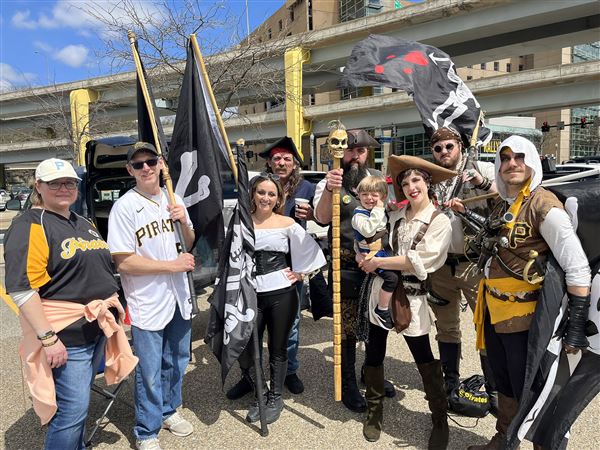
58, 271
284, 251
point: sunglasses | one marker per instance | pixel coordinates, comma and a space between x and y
138, 165
69, 185
269, 176
439, 148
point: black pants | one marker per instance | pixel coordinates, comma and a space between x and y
507, 353
419, 347
276, 312
390, 280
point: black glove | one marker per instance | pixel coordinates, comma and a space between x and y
575, 335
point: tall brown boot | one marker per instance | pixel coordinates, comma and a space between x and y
507, 410
374, 395
433, 382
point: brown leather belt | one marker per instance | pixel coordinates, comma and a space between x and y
530, 296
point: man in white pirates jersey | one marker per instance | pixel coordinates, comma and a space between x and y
144, 247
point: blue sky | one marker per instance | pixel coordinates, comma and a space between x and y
54, 41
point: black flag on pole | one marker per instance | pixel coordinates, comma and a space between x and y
145, 120
558, 386
198, 156
423, 71
233, 302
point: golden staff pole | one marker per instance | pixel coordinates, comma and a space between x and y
204, 73
165, 171
337, 300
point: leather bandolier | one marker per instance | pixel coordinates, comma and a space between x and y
510, 299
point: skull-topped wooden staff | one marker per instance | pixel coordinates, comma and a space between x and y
337, 143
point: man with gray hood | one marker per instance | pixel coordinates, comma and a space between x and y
534, 225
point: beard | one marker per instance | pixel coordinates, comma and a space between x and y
353, 174
449, 163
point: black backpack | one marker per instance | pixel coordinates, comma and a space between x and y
469, 399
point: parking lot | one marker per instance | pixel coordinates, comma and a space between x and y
310, 420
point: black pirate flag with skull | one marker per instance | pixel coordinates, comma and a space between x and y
233, 304
424, 72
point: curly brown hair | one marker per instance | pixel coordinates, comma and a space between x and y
278, 209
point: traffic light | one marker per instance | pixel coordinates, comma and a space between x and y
583, 122
545, 127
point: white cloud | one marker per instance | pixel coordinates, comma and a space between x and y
21, 20
84, 15
11, 78
72, 55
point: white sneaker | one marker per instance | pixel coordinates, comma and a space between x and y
178, 425
147, 444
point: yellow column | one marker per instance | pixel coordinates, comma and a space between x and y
80, 100
296, 125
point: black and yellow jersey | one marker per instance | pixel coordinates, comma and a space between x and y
63, 259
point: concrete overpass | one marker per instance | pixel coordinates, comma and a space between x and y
471, 31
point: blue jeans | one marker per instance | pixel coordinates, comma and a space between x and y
164, 356
294, 339
73, 382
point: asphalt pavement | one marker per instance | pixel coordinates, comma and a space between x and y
310, 420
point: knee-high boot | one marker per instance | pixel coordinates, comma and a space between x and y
450, 358
244, 386
351, 396
374, 395
507, 410
275, 399
433, 382
254, 411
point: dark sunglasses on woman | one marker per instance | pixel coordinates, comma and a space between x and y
269, 176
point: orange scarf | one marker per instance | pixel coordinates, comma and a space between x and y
119, 358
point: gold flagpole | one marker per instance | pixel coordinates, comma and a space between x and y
204, 73
165, 171
336, 276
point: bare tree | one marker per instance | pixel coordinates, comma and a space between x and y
52, 121
237, 65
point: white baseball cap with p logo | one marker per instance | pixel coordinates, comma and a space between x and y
53, 169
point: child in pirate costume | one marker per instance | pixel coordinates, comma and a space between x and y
508, 295
369, 223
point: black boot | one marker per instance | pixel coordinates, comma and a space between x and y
275, 400
388, 387
374, 395
254, 411
450, 358
242, 387
490, 384
433, 382
351, 396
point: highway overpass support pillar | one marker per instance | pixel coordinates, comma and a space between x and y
296, 125
80, 100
